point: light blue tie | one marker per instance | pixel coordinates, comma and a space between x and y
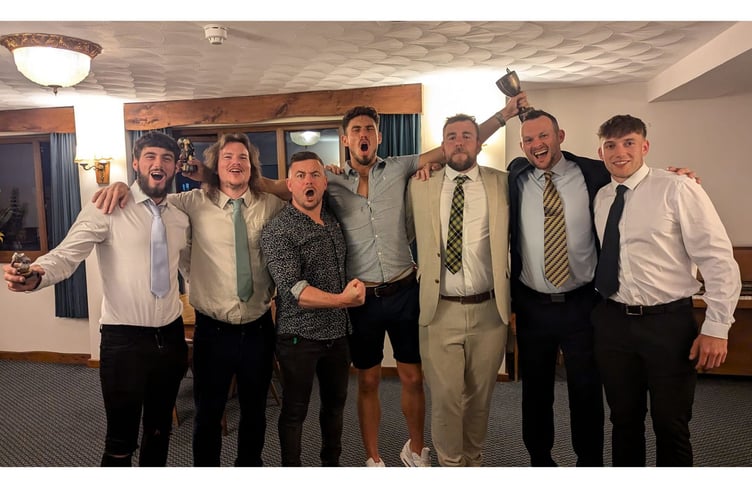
160, 266
242, 255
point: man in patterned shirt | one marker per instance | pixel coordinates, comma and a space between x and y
305, 252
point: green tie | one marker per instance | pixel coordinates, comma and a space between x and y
554, 235
242, 254
454, 237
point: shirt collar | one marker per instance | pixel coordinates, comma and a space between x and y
140, 197
634, 179
223, 199
349, 170
472, 173
559, 169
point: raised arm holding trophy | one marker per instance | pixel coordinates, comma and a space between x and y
509, 84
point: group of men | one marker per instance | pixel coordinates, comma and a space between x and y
608, 287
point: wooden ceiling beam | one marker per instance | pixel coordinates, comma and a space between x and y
395, 99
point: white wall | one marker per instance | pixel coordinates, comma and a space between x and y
707, 135
28, 319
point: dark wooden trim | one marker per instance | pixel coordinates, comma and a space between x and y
48, 357
251, 109
38, 120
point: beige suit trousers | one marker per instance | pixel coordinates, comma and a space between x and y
461, 350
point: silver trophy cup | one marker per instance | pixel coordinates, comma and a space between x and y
509, 84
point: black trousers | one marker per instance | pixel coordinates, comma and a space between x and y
300, 360
546, 324
643, 357
221, 350
140, 370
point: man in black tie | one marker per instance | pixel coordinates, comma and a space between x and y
659, 226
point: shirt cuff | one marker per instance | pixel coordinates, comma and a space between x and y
714, 329
297, 288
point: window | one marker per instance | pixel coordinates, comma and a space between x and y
24, 188
325, 143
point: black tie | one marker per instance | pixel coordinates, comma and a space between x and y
607, 272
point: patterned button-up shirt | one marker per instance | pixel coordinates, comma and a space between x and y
301, 253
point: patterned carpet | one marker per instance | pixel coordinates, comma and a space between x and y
53, 416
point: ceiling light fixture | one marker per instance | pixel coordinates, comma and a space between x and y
51, 60
305, 138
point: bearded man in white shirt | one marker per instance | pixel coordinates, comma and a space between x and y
646, 338
143, 354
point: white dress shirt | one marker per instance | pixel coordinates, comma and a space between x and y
476, 275
670, 227
213, 279
122, 241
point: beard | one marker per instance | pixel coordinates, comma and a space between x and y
461, 166
153, 191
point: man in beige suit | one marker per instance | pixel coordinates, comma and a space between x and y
464, 290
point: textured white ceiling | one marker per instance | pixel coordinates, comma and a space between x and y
156, 61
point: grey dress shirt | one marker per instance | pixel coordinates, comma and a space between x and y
378, 249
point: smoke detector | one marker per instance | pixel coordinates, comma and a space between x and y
215, 34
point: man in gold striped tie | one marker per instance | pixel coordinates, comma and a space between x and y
554, 255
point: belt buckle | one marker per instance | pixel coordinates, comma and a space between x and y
633, 310
382, 286
558, 298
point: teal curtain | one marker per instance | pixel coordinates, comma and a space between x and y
71, 300
400, 135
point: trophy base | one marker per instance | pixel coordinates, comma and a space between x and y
523, 112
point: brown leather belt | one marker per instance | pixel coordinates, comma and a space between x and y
392, 287
470, 299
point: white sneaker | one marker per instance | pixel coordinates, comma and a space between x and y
372, 463
412, 459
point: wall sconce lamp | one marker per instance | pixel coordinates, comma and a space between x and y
101, 167
51, 60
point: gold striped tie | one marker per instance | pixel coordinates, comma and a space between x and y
454, 237
554, 235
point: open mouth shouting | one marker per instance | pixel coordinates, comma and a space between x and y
157, 175
541, 154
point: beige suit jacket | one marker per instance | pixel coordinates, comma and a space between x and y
424, 198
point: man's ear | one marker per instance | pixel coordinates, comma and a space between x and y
600, 153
